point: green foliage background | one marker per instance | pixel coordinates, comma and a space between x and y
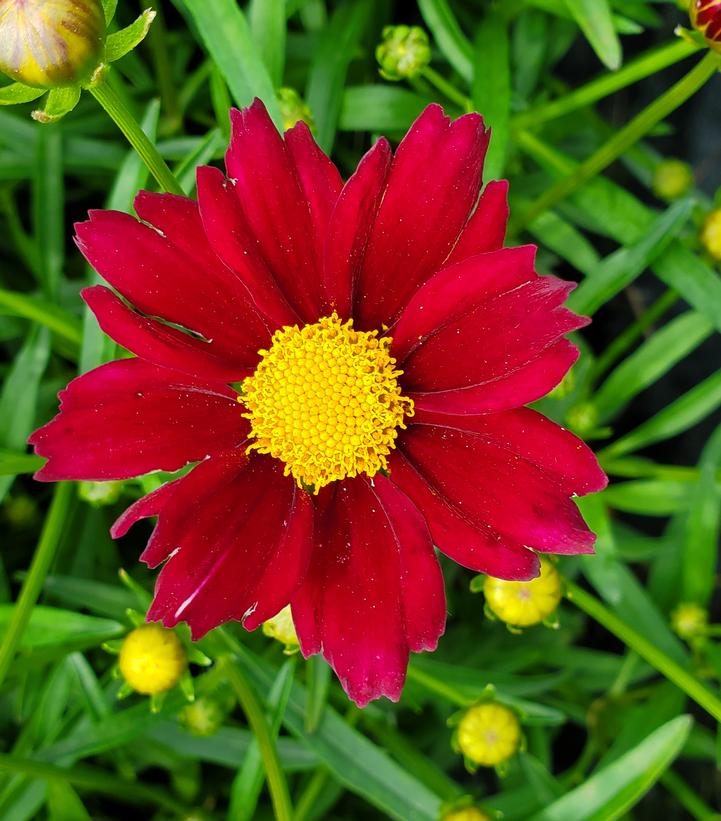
620, 716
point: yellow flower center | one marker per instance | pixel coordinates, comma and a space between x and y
489, 734
152, 659
325, 400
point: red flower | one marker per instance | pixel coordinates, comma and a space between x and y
385, 343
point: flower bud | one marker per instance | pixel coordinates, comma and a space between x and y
152, 659
403, 52
488, 734
706, 18
281, 628
466, 814
99, 494
672, 179
293, 108
689, 620
203, 717
711, 234
49, 43
522, 604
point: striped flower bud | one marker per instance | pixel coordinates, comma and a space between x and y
706, 18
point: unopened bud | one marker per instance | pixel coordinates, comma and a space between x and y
706, 18
152, 659
711, 234
293, 109
523, 604
403, 52
488, 734
672, 179
282, 629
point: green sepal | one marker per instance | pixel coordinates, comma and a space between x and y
17, 93
135, 618
113, 646
196, 656
60, 101
157, 700
109, 7
124, 691
121, 42
477, 582
186, 686
513, 630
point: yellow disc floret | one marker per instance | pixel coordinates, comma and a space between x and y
522, 604
152, 659
488, 734
325, 400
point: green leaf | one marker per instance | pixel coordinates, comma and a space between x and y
334, 50
267, 25
649, 497
448, 35
17, 93
683, 413
491, 88
701, 533
378, 108
650, 362
59, 102
613, 790
64, 803
49, 208
228, 40
562, 238
620, 269
596, 22
50, 627
124, 41
13, 463
109, 7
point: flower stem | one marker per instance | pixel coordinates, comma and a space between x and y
44, 555
625, 138
669, 668
148, 153
254, 713
446, 88
440, 688
688, 799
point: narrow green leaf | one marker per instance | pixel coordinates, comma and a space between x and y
121, 42
267, 25
335, 48
13, 463
50, 627
448, 35
64, 804
649, 497
44, 313
563, 238
650, 362
379, 108
16, 93
596, 22
619, 270
49, 207
491, 87
612, 791
227, 37
701, 533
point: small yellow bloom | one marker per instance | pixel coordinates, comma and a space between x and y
672, 179
466, 814
281, 628
522, 604
689, 620
293, 109
711, 234
48, 43
488, 734
152, 659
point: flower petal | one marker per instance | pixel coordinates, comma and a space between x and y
493, 482
350, 227
273, 201
130, 417
374, 590
162, 279
164, 345
432, 187
486, 229
237, 535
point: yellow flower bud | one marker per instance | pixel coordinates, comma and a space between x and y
689, 620
152, 659
202, 717
293, 109
466, 814
672, 179
522, 604
706, 18
488, 734
49, 43
99, 494
711, 234
281, 628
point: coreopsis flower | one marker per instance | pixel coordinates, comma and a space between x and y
488, 735
706, 18
347, 364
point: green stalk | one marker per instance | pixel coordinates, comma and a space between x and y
256, 718
625, 138
645, 65
440, 688
310, 795
648, 651
148, 153
43, 558
58, 320
93, 780
687, 798
446, 88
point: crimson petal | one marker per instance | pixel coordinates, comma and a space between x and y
374, 590
130, 417
237, 536
486, 229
